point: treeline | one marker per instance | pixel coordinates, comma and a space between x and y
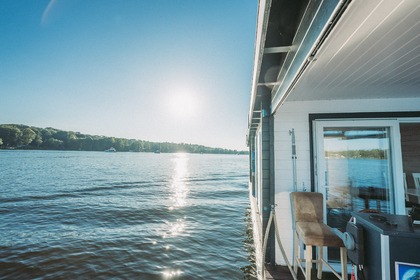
14, 136
374, 153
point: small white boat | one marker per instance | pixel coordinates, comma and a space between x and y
111, 150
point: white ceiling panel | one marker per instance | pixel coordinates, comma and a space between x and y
373, 52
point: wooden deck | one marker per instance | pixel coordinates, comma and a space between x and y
282, 273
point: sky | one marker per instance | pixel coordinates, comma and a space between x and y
163, 70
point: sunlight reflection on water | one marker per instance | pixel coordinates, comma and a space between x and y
179, 193
179, 187
172, 273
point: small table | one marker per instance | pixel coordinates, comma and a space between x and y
414, 195
370, 193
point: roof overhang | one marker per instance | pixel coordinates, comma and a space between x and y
262, 24
335, 50
286, 34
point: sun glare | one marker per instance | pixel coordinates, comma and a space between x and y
182, 104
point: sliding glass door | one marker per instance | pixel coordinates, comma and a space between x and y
358, 168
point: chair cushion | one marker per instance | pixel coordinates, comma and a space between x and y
307, 207
317, 234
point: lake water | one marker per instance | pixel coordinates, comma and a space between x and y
96, 215
362, 173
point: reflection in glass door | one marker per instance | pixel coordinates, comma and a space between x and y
354, 170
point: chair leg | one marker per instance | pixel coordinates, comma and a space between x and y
343, 256
308, 259
296, 253
319, 262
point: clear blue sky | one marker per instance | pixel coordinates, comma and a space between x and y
156, 70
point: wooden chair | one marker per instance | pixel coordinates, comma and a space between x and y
416, 177
308, 214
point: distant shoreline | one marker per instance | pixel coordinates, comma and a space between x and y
23, 137
180, 152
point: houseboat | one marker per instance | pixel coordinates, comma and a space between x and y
334, 109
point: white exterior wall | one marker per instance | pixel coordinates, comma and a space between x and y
296, 115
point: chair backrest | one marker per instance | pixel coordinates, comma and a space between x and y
405, 186
307, 207
416, 177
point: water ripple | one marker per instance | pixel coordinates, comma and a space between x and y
143, 217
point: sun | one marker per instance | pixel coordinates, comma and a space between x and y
182, 104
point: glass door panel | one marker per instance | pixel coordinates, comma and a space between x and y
354, 170
357, 171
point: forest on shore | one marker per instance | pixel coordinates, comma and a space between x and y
373, 154
18, 136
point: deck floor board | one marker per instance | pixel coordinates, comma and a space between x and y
279, 272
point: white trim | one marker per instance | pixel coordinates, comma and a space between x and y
258, 170
385, 265
398, 171
409, 120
